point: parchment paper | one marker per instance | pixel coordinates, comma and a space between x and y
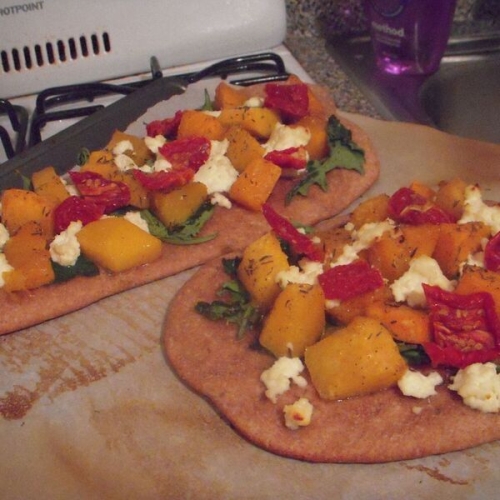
90, 409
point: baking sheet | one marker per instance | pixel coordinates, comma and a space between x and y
90, 409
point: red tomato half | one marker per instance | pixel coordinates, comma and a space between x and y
190, 152
291, 101
286, 231
110, 195
465, 328
347, 281
76, 208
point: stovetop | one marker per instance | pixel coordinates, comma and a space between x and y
26, 123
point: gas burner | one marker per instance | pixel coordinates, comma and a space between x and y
264, 67
16, 118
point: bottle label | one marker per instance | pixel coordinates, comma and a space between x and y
388, 8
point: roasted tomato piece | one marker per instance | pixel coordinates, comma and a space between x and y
293, 158
167, 127
350, 280
492, 254
409, 207
165, 180
286, 231
76, 208
190, 152
291, 101
110, 195
465, 328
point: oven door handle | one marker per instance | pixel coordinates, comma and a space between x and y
61, 150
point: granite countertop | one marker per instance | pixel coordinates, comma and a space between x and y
311, 53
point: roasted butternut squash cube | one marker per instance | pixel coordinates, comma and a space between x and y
374, 209
405, 323
139, 195
140, 153
20, 207
451, 196
420, 239
255, 184
260, 122
47, 183
243, 148
200, 124
456, 242
317, 147
29, 256
333, 240
477, 279
261, 261
390, 256
349, 309
295, 321
177, 206
101, 162
117, 244
359, 359
423, 190
229, 96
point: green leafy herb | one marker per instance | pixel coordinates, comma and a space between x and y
234, 306
83, 156
414, 354
27, 185
82, 267
344, 153
185, 234
207, 104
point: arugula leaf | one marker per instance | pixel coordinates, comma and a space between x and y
344, 153
185, 234
414, 354
83, 156
82, 267
207, 104
236, 308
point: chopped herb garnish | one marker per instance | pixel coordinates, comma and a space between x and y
207, 104
185, 234
344, 153
234, 306
83, 156
82, 267
414, 354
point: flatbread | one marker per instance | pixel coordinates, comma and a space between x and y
236, 228
380, 427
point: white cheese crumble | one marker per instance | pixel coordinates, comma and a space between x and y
4, 268
218, 173
423, 269
122, 147
307, 273
277, 378
479, 386
362, 239
154, 143
254, 102
220, 200
284, 137
65, 248
135, 218
298, 414
418, 385
124, 162
475, 210
4, 236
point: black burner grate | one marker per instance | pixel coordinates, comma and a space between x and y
18, 124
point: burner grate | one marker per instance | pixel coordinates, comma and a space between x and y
17, 117
263, 67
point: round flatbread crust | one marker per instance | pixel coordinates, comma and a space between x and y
236, 228
382, 427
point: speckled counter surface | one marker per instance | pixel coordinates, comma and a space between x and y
306, 41
311, 53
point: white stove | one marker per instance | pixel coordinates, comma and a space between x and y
190, 36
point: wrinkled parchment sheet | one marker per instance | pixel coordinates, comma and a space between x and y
90, 409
